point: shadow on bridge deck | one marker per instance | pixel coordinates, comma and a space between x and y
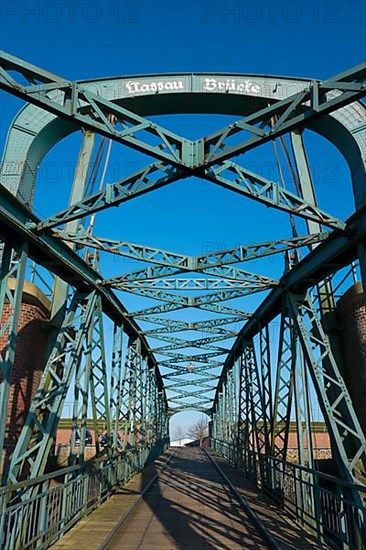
190, 507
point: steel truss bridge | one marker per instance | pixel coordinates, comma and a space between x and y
250, 389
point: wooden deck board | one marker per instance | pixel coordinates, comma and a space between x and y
190, 507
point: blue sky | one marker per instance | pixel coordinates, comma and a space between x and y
83, 39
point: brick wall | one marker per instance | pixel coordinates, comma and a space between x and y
351, 310
29, 358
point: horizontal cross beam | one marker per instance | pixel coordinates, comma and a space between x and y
184, 263
253, 284
181, 343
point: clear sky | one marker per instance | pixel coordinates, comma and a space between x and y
86, 39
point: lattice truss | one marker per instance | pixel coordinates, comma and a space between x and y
161, 357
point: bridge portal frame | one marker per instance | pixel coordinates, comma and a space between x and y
330, 108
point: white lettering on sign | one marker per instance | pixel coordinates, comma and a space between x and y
134, 87
231, 85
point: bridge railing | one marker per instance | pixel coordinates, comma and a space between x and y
60, 499
321, 503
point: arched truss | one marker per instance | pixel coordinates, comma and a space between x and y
267, 108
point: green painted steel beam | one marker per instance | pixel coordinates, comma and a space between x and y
203, 380
185, 263
215, 308
56, 256
197, 325
181, 301
243, 253
175, 302
204, 406
236, 178
254, 284
179, 370
296, 111
228, 175
158, 334
182, 394
159, 272
128, 250
199, 358
327, 258
151, 177
181, 343
74, 102
167, 350
203, 358
235, 278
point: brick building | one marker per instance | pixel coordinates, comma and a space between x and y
29, 357
351, 312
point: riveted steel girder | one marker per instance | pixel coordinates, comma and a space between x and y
325, 259
293, 112
238, 179
329, 383
202, 326
182, 262
228, 175
61, 260
12, 267
72, 101
216, 308
245, 408
200, 381
150, 178
254, 284
180, 343
179, 371
188, 301
33, 446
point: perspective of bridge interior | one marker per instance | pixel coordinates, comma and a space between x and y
264, 336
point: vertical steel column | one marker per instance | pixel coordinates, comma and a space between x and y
129, 390
60, 289
11, 267
139, 403
305, 482
302, 410
154, 408
267, 393
148, 405
221, 416
243, 416
80, 410
116, 383
349, 442
99, 385
347, 437
266, 380
257, 435
236, 389
230, 407
305, 184
224, 416
284, 387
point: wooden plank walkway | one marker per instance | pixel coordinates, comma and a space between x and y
189, 507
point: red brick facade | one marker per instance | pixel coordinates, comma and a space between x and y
352, 320
29, 358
